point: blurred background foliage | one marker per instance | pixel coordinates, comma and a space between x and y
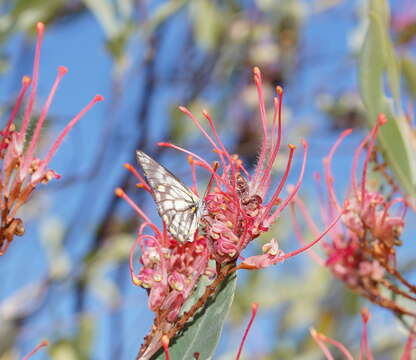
67, 280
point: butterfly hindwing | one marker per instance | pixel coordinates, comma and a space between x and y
177, 205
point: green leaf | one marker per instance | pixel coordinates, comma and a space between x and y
378, 59
202, 333
408, 67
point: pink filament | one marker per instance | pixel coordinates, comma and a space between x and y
320, 337
298, 251
364, 348
298, 233
282, 181
275, 150
143, 182
297, 186
132, 250
71, 124
196, 122
214, 131
373, 133
333, 201
201, 162
42, 344
263, 118
40, 29
25, 85
120, 193
254, 308
35, 138
380, 121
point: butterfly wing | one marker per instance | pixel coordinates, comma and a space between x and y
177, 205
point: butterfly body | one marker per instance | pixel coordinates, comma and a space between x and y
177, 205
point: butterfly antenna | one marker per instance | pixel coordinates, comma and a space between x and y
211, 180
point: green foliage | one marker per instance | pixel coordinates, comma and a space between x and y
203, 332
378, 62
408, 67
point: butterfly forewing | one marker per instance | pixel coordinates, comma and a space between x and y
177, 205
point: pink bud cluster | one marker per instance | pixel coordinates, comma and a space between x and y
21, 170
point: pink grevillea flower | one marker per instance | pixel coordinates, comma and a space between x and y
169, 269
21, 170
361, 249
368, 212
365, 350
241, 206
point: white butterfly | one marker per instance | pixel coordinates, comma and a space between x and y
177, 205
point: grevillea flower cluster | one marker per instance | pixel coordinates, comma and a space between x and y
239, 207
362, 252
242, 206
21, 170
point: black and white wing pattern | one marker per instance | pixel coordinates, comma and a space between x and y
177, 205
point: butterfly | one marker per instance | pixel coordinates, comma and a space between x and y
177, 205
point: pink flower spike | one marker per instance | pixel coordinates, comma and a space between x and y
36, 135
254, 308
42, 344
40, 27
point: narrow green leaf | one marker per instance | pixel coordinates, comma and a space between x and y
202, 334
377, 59
408, 67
